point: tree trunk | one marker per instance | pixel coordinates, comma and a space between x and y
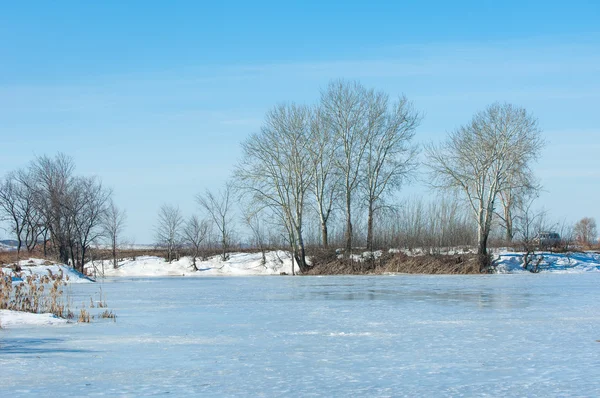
83, 249
509, 223
324, 234
224, 244
348, 226
63, 253
293, 257
114, 252
482, 254
370, 228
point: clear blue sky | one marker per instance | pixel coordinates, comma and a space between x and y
155, 97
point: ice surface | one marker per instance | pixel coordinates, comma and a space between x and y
404, 335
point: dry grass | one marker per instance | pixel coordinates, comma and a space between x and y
398, 263
35, 294
45, 294
108, 315
84, 316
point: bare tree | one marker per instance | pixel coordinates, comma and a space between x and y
585, 231
346, 107
219, 209
86, 206
113, 224
521, 188
168, 229
567, 235
481, 159
17, 207
52, 181
389, 156
325, 180
252, 219
528, 224
195, 234
276, 170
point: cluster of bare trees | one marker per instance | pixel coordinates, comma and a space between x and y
351, 150
172, 232
46, 204
344, 157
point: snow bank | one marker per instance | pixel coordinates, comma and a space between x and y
238, 264
580, 262
40, 267
12, 319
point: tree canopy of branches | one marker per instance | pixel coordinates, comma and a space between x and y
489, 155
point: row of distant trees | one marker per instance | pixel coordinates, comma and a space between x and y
47, 204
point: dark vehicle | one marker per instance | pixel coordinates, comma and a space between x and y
548, 239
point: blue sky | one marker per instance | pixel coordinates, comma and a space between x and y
155, 97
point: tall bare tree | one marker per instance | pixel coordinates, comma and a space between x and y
86, 206
195, 233
219, 208
346, 107
53, 180
390, 155
16, 207
481, 158
168, 229
275, 170
325, 180
113, 224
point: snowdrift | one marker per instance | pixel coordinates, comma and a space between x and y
36, 266
238, 264
11, 319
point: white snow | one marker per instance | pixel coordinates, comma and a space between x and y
238, 264
12, 319
40, 267
576, 262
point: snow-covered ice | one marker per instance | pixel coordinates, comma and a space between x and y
376, 336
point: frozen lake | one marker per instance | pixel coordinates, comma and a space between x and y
498, 335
